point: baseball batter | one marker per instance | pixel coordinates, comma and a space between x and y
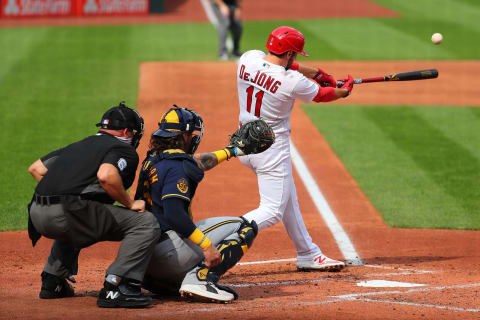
268, 85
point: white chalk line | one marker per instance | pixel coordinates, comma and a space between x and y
401, 272
360, 297
341, 237
299, 282
413, 290
413, 304
207, 6
396, 268
265, 261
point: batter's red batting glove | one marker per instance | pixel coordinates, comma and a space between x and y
347, 84
324, 79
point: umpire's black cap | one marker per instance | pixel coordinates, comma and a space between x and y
120, 117
123, 117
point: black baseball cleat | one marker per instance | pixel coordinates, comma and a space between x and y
126, 295
54, 287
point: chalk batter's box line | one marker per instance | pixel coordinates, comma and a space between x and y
357, 297
301, 282
410, 271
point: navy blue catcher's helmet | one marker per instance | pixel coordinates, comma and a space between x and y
181, 120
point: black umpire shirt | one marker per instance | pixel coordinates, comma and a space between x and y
72, 170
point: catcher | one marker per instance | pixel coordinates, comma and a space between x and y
190, 258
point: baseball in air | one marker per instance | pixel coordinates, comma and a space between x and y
437, 38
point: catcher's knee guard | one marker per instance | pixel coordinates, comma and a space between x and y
248, 231
231, 251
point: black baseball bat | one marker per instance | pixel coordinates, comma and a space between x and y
404, 76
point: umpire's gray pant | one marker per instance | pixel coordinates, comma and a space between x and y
76, 224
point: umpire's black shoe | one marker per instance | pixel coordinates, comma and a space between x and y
54, 287
126, 295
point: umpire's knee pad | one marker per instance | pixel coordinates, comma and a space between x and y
248, 231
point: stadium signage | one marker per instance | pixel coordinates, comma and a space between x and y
114, 7
52, 8
31, 8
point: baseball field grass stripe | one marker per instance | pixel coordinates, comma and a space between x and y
343, 241
443, 161
447, 11
419, 166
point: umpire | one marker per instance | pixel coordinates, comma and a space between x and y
73, 204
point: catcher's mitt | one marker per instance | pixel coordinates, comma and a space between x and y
253, 137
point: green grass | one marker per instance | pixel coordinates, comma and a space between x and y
419, 166
55, 82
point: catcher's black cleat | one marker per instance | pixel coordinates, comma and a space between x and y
127, 294
54, 287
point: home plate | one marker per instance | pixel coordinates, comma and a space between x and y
388, 284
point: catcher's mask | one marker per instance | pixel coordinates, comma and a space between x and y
181, 120
122, 117
284, 39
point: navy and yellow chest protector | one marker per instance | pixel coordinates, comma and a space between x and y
183, 163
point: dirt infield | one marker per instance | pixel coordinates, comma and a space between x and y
446, 263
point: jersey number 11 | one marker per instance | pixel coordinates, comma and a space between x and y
258, 100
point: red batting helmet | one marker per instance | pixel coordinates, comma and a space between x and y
285, 39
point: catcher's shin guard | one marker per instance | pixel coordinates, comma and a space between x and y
231, 252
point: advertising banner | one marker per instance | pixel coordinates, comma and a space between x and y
37, 8
113, 7
52, 8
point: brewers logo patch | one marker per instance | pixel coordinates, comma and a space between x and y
182, 185
202, 274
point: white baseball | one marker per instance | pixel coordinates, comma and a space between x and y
437, 38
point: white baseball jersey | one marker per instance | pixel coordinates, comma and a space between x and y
267, 90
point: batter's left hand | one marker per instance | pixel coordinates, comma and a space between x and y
324, 79
348, 84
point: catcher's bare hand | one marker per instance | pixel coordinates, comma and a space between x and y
212, 256
253, 137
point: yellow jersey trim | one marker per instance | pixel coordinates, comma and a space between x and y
221, 224
175, 195
173, 151
200, 239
